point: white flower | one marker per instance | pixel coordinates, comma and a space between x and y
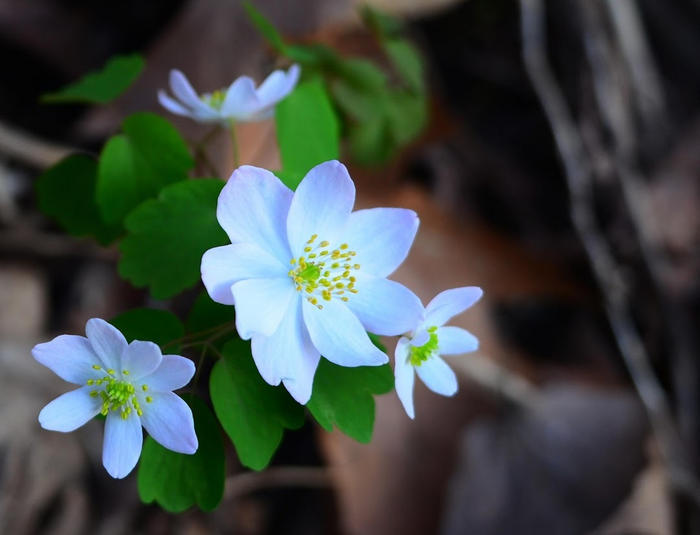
421, 349
242, 102
131, 384
306, 275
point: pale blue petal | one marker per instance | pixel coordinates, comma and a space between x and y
385, 307
455, 341
224, 266
420, 338
174, 372
71, 410
107, 341
278, 85
122, 444
288, 353
260, 305
172, 105
168, 419
253, 208
338, 335
381, 237
322, 204
70, 357
139, 359
404, 376
449, 303
241, 100
188, 96
438, 376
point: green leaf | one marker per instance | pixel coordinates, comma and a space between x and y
253, 413
136, 165
211, 320
361, 74
344, 397
408, 63
168, 236
307, 128
382, 24
264, 26
102, 86
66, 192
152, 325
314, 56
407, 116
371, 142
177, 481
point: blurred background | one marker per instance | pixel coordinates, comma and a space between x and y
559, 170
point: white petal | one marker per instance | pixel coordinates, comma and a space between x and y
168, 419
241, 100
438, 376
449, 303
404, 376
385, 307
224, 266
71, 410
339, 336
122, 444
253, 208
288, 352
278, 85
455, 341
188, 96
107, 341
172, 105
321, 205
174, 372
139, 359
381, 237
260, 305
70, 357
420, 338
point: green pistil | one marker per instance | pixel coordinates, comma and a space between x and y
421, 354
310, 273
216, 99
117, 395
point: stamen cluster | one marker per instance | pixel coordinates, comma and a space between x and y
421, 354
117, 393
323, 272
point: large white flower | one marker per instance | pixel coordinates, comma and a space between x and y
421, 349
130, 384
307, 276
242, 102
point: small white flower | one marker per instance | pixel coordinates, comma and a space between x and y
242, 102
130, 384
421, 349
307, 276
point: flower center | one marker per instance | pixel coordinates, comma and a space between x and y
421, 354
215, 100
117, 394
323, 273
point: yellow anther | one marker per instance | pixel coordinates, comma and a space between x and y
326, 273
149, 399
293, 261
93, 394
312, 238
111, 371
353, 290
125, 372
99, 382
324, 253
356, 266
125, 415
139, 412
312, 255
324, 243
346, 273
351, 285
307, 249
96, 367
90, 382
344, 246
320, 307
335, 265
313, 301
352, 279
344, 299
339, 285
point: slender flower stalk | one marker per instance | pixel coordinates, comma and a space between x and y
420, 351
130, 384
241, 102
307, 276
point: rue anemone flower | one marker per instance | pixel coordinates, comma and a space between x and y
421, 349
130, 384
241, 102
307, 276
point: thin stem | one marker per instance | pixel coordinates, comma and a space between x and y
234, 143
199, 367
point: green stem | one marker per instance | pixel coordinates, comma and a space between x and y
234, 143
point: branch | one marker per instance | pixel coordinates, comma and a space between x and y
29, 149
608, 275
